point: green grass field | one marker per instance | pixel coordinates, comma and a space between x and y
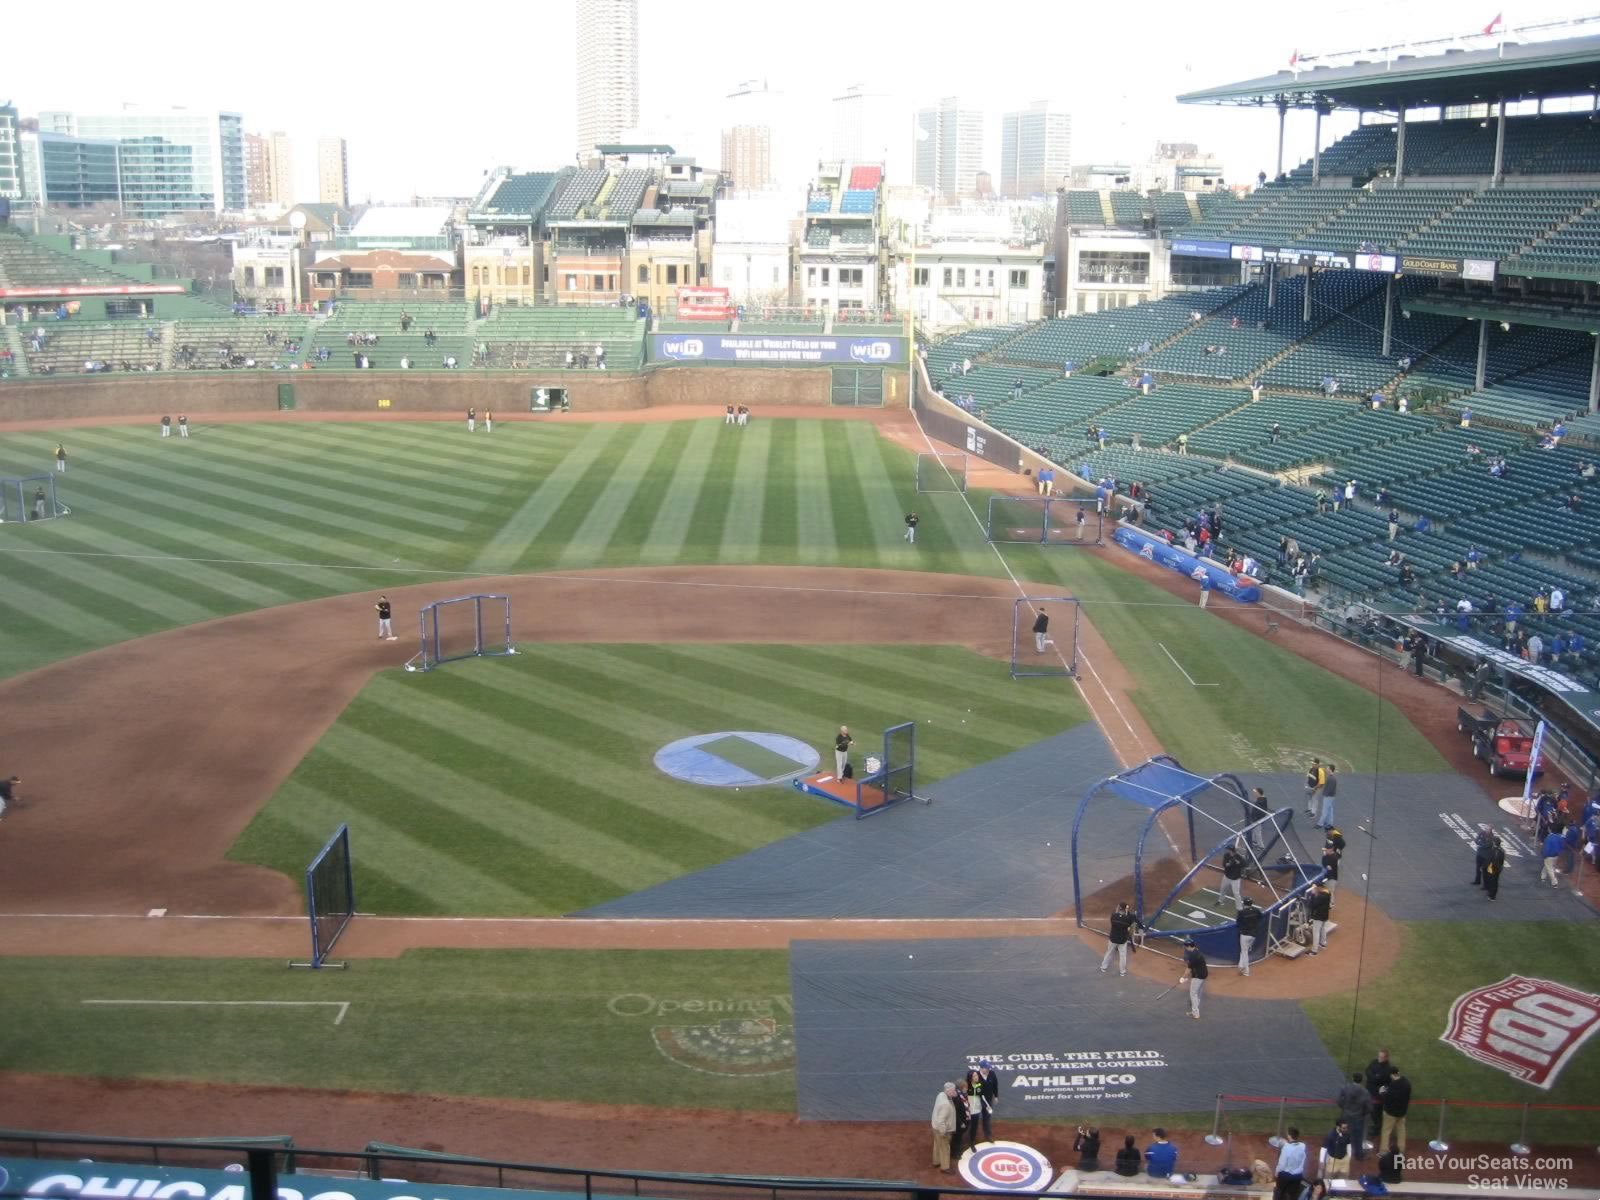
527, 787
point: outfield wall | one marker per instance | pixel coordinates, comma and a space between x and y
763, 389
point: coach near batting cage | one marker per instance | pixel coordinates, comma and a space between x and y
463, 627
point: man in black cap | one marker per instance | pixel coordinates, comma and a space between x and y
1195, 970
1255, 809
1249, 923
1123, 923
1482, 852
1319, 907
1041, 626
1377, 1074
1232, 874
1494, 868
987, 1092
911, 527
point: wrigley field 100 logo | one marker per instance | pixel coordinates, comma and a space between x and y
1528, 1028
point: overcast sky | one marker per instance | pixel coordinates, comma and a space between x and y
430, 96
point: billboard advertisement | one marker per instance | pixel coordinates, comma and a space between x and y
1238, 587
1246, 253
770, 349
1480, 269
1417, 264
1201, 249
1384, 263
1315, 258
51, 293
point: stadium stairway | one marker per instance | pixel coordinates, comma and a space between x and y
169, 343
1107, 210
19, 361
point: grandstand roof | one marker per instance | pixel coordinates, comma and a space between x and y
640, 148
1458, 76
1513, 312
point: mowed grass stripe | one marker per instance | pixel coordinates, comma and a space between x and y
632, 529
669, 526
703, 538
449, 880
30, 642
884, 508
540, 829
507, 545
741, 526
852, 526
576, 508
815, 542
606, 511
67, 607
580, 761
129, 591
780, 523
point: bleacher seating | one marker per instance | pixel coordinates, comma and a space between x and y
1083, 208
1346, 349
1498, 222
1128, 208
1358, 430
449, 322
526, 338
855, 234
820, 202
857, 200
990, 384
1061, 405
27, 262
865, 177
218, 344
626, 195
581, 189
1117, 332
1171, 209
1385, 218
1170, 409
1262, 334
967, 345
69, 346
1252, 425
522, 193
819, 235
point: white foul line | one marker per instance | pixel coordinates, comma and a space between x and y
342, 1005
1179, 665
1021, 591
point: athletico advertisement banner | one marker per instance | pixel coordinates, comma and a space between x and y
1201, 249
1528, 1028
1238, 587
776, 349
1006, 1167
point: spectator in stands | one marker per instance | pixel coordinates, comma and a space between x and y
405, 363
1376, 401
1558, 600
1274, 433
1128, 1159
1393, 523
1574, 502
1423, 525
1405, 363
966, 366
1457, 569
1161, 1156
1586, 470
1558, 431
449, 362
1402, 403
600, 356
1330, 385
1322, 501
1067, 368
1395, 558
1474, 557
1183, 443
1255, 394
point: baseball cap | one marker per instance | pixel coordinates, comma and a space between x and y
985, 1063
1188, 941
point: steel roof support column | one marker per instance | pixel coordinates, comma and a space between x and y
1316, 143
1483, 354
1283, 116
1305, 307
1594, 379
1400, 146
1388, 314
1500, 145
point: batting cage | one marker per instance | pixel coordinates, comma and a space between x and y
1045, 520
1155, 836
938, 472
30, 498
330, 897
464, 627
1044, 648
885, 780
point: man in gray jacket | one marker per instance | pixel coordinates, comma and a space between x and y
1354, 1106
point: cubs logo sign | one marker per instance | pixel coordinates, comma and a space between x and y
740, 1046
1006, 1167
1528, 1028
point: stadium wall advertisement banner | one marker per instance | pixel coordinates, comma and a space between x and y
782, 349
51, 293
1383, 263
1201, 249
1418, 265
62, 1180
1314, 258
1073, 1077
1480, 269
1237, 587
963, 435
1246, 253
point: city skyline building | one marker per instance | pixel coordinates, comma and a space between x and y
1035, 150
333, 171
11, 182
607, 71
64, 171
170, 160
947, 153
747, 138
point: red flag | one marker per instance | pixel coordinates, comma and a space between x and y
1294, 58
1496, 25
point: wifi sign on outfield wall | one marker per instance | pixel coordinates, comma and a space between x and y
1528, 1028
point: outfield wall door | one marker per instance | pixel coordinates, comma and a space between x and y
285, 397
858, 387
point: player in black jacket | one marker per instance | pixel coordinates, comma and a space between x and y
1249, 923
1319, 905
385, 633
1232, 873
1123, 923
911, 527
1330, 864
1041, 627
1195, 970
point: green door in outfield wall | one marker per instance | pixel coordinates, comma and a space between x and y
285, 397
858, 387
